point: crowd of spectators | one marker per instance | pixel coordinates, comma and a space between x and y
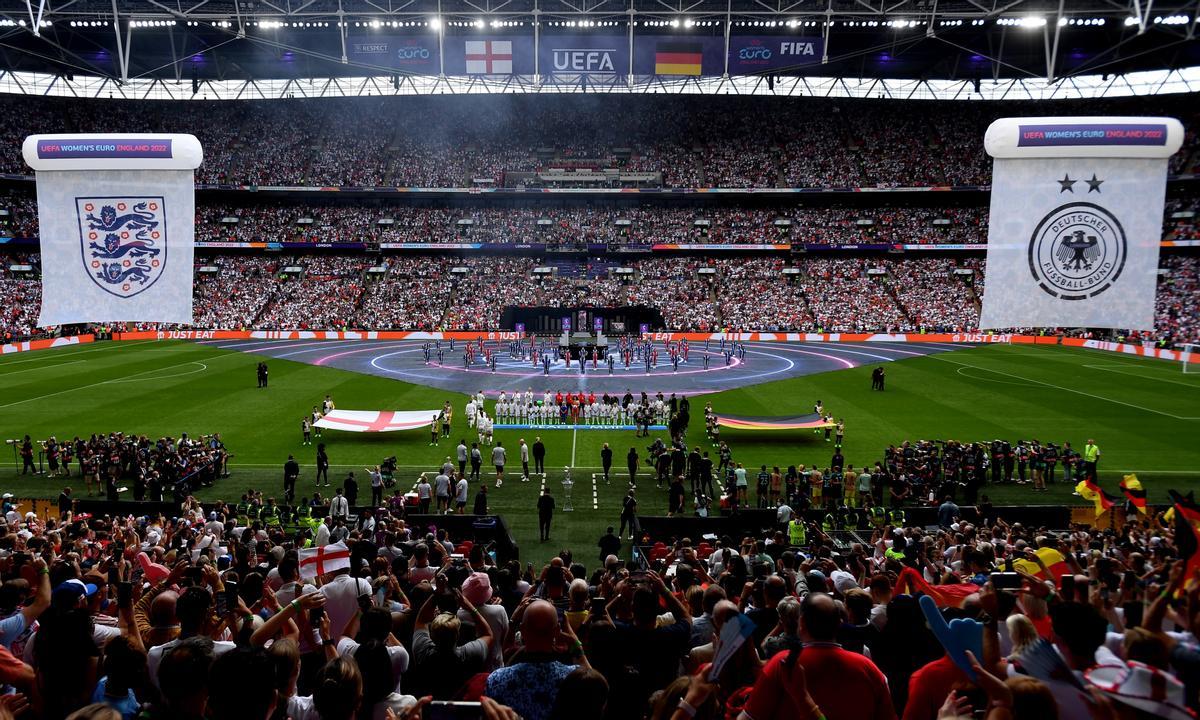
693, 141
1177, 302
580, 226
325, 610
842, 292
20, 296
818, 293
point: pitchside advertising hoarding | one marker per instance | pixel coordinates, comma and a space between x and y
574, 55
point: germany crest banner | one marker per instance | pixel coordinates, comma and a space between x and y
1076, 220
117, 215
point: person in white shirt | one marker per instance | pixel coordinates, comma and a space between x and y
424, 494
524, 461
499, 457
341, 600
339, 506
460, 495
322, 538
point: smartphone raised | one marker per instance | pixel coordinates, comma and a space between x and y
452, 710
231, 596
124, 594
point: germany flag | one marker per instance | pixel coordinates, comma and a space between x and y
1094, 493
678, 58
1186, 540
1132, 487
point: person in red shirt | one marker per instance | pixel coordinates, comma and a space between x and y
929, 686
844, 685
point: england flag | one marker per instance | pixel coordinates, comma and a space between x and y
489, 57
376, 420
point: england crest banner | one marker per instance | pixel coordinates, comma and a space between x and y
116, 214
1076, 220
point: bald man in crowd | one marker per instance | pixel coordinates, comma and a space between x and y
530, 686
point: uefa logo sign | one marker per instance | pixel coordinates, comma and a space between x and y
1077, 251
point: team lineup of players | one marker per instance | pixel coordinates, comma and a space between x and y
627, 351
559, 408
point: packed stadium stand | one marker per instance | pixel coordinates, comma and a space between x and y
254, 194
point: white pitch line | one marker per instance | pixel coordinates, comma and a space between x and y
97, 384
44, 367
113, 345
1123, 371
574, 433
1065, 389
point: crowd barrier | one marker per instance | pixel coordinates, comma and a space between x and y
1129, 348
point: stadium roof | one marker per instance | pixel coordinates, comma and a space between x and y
269, 48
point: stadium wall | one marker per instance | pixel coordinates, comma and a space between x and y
1143, 350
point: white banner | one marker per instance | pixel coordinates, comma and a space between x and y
1076, 222
117, 215
116, 245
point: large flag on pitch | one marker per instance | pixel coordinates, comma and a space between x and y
376, 420
116, 214
1076, 220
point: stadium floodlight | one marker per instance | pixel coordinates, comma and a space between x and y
435, 23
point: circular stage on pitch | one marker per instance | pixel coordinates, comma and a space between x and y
761, 362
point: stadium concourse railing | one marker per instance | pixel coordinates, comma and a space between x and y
1144, 349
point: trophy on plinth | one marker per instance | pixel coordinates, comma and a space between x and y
567, 486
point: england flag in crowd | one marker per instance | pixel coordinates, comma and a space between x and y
318, 561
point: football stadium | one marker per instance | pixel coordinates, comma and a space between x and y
533, 360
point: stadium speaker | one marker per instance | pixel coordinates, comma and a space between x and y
395, 82
975, 84
770, 82
195, 85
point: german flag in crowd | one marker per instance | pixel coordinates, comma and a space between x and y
678, 58
1183, 505
1187, 541
1093, 492
1132, 487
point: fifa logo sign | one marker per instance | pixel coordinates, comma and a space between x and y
797, 48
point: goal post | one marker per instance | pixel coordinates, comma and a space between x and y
1189, 355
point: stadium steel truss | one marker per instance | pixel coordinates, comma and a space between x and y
250, 49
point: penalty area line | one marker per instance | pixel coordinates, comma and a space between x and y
1066, 389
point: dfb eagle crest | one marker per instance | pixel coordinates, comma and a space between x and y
123, 241
1077, 251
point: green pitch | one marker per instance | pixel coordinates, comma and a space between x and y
1144, 414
